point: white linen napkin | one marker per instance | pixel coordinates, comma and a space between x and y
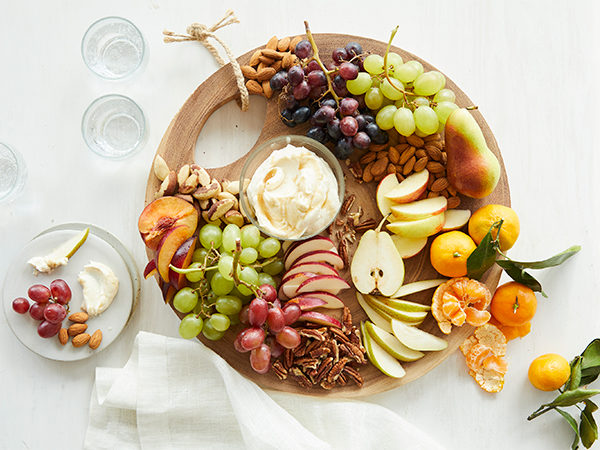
178, 394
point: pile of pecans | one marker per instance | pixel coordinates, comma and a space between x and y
405, 156
327, 356
264, 63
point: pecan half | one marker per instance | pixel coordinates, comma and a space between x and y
279, 370
354, 375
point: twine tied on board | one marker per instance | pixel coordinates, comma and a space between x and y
201, 33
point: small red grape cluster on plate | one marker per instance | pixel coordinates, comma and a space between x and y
269, 332
50, 306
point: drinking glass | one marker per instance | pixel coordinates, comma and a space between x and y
12, 173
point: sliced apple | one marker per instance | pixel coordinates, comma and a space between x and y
307, 303
418, 286
289, 286
164, 214
323, 256
316, 243
410, 317
420, 209
326, 283
456, 218
319, 318
381, 320
418, 228
381, 359
403, 305
417, 339
169, 244
377, 264
331, 301
385, 186
285, 245
410, 189
408, 247
391, 344
182, 259
318, 268
150, 269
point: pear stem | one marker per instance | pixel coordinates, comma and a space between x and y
378, 229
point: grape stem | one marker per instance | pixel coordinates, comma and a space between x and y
316, 57
385, 66
236, 261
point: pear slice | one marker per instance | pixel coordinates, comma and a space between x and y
417, 286
381, 359
377, 264
411, 317
381, 320
417, 339
391, 344
403, 305
60, 255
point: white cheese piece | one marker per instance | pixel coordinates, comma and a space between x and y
100, 286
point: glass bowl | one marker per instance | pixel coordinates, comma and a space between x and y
263, 151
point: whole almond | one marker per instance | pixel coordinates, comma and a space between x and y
394, 155
420, 153
79, 317
377, 147
277, 65
288, 60
382, 154
254, 87
272, 43
408, 167
254, 58
437, 143
273, 54
440, 184
445, 193
63, 336
76, 328
453, 202
432, 137
265, 74
266, 85
261, 65
294, 42
249, 72
391, 168
265, 60
433, 152
284, 44
432, 194
367, 174
95, 340
452, 190
368, 157
400, 177
415, 140
420, 164
406, 155
80, 340
379, 167
435, 167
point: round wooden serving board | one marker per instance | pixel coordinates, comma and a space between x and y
177, 148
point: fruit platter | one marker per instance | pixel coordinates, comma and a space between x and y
348, 252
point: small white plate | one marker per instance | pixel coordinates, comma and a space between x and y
100, 246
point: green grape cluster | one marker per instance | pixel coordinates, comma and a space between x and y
408, 99
213, 300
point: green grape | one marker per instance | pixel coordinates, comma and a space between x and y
420, 101
225, 266
190, 326
373, 98
386, 102
373, 64
375, 82
248, 255
274, 268
250, 236
245, 291
429, 83
443, 110
269, 247
360, 84
265, 278
417, 65
420, 133
406, 73
390, 91
234, 319
245, 298
404, 122
221, 285
445, 95
210, 333
230, 233
385, 117
426, 120
194, 277
219, 322
210, 234
199, 255
249, 275
228, 304
394, 60
209, 274
185, 300
195, 284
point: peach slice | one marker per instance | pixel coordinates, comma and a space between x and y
150, 269
167, 248
317, 243
420, 209
182, 259
164, 214
385, 186
168, 292
410, 189
319, 318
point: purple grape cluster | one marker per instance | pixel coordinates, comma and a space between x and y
346, 125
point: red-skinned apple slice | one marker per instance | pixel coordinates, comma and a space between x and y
150, 269
327, 283
182, 259
323, 256
164, 214
456, 218
418, 228
167, 248
317, 243
319, 318
408, 247
289, 286
410, 189
331, 301
308, 303
385, 186
420, 209
318, 268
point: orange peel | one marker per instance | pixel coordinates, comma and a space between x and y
483, 353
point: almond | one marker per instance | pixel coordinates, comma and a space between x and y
288, 60
402, 147
435, 167
434, 152
368, 157
277, 66
406, 155
249, 72
294, 42
266, 85
265, 74
391, 169
400, 177
63, 336
266, 61
273, 54
261, 65
284, 44
415, 140
453, 202
80, 340
420, 153
272, 43
440, 184
379, 167
254, 58
79, 317
76, 328
432, 137
95, 340
394, 155
381, 155
408, 167
420, 164
254, 87
367, 174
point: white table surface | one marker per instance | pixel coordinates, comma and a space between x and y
531, 66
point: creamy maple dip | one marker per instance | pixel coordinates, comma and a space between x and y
100, 286
294, 193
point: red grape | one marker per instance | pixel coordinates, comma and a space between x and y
301, 91
303, 49
339, 86
37, 311
244, 315
260, 359
347, 107
257, 312
268, 293
349, 126
339, 55
237, 343
348, 71
20, 305
39, 293
311, 67
316, 78
48, 329
323, 115
279, 80
295, 75
60, 291
353, 49
361, 140
55, 313
276, 349
275, 320
291, 312
252, 338
288, 337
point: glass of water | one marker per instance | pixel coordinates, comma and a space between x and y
12, 173
113, 126
113, 48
